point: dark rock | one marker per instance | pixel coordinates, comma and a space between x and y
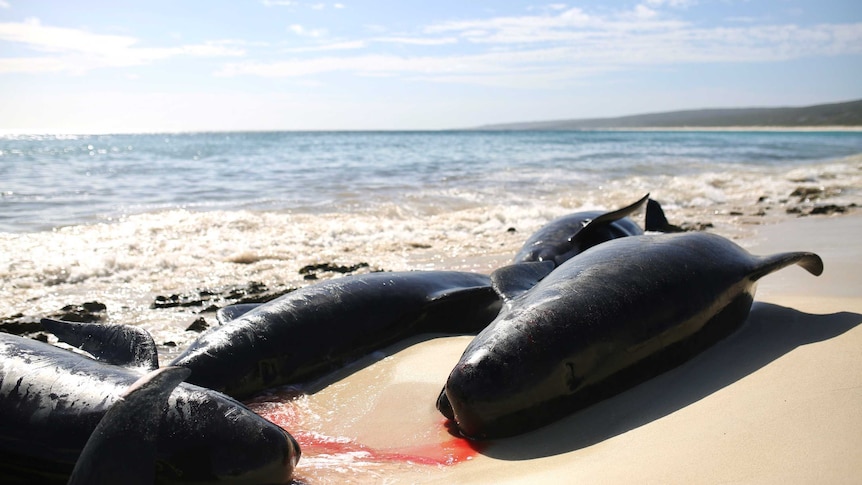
19, 324
511, 230
695, 226
828, 209
807, 192
198, 325
334, 268
762, 199
170, 343
736, 213
209, 296
89, 312
265, 297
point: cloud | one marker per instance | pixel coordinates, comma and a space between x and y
302, 31
78, 51
418, 40
550, 50
4, 4
336, 46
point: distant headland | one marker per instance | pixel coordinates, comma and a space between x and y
821, 116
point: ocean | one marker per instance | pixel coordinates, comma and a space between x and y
122, 219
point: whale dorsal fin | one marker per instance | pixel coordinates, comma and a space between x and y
656, 220
122, 448
608, 217
513, 280
232, 312
768, 264
123, 345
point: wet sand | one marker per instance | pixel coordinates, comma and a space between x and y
778, 401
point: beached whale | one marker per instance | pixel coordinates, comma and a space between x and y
572, 234
51, 400
313, 330
612, 317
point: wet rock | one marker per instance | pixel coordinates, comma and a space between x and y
695, 226
198, 325
828, 209
819, 210
209, 296
89, 312
808, 194
264, 296
20, 324
329, 267
315, 271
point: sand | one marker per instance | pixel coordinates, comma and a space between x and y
780, 401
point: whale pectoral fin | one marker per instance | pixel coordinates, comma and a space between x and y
123, 345
467, 310
604, 219
122, 448
232, 312
513, 280
656, 220
769, 264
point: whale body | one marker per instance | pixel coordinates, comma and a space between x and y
612, 317
313, 330
51, 400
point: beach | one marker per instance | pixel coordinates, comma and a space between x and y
775, 402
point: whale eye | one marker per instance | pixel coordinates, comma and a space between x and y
573, 381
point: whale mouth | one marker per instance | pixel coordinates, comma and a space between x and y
444, 406
293, 450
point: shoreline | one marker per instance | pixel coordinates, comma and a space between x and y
776, 401
777, 128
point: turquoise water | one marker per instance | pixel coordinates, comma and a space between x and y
52, 181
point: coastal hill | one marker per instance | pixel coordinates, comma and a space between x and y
836, 114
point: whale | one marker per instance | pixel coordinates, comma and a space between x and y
604, 321
304, 334
52, 399
122, 447
569, 235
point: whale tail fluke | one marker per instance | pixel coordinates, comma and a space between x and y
123, 345
769, 264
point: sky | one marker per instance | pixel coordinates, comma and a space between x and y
163, 66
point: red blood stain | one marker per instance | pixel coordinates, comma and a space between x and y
452, 451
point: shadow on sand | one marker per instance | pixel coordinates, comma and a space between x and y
770, 332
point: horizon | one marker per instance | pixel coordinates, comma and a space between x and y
283, 65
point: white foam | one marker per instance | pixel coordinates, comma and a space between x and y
126, 263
